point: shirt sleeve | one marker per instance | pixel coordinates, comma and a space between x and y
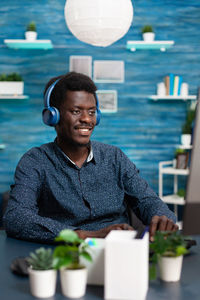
22, 219
147, 201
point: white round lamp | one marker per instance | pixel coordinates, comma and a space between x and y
98, 22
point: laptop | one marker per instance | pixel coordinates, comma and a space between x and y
191, 214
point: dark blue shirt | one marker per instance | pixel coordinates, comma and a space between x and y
51, 193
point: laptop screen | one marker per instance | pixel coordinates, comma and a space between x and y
191, 216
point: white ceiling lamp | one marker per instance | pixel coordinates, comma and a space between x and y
98, 22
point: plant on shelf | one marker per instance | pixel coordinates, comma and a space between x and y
168, 250
187, 128
31, 27
41, 273
11, 77
147, 28
148, 33
67, 258
181, 193
31, 32
11, 84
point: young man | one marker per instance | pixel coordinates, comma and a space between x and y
76, 183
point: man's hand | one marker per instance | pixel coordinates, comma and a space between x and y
161, 223
102, 233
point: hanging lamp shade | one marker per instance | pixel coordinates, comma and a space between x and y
98, 22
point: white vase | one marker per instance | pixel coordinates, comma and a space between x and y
184, 89
42, 283
170, 268
186, 139
148, 36
31, 35
73, 282
161, 89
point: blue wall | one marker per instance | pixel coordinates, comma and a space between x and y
147, 132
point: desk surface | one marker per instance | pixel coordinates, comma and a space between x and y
13, 287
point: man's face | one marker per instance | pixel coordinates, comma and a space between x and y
77, 118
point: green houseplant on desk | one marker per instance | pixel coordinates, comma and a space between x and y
42, 276
168, 250
67, 258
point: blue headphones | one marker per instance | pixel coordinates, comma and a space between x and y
51, 115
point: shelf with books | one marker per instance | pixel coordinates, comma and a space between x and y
172, 88
168, 97
154, 45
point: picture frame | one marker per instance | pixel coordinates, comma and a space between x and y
81, 64
108, 71
107, 101
182, 160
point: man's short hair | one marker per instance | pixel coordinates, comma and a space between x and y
71, 81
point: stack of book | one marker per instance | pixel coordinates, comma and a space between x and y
173, 84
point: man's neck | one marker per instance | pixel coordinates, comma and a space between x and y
77, 153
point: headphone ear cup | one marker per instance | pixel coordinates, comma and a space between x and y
50, 116
98, 116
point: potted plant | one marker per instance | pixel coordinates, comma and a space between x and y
67, 256
31, 34
11, 84
42, 275
148, 33
168, 250
187, 128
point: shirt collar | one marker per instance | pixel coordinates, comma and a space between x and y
89, 158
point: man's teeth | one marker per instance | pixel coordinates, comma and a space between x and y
83, 129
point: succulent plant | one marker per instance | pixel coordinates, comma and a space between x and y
41, 259
147, 28
31, 26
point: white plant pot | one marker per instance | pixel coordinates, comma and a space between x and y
73, 282
148, 36
170, 268
186, 139
31, 35
11, 87
42, 283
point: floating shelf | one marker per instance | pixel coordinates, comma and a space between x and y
173, 199
155, 45
25, 44
184, 147
174, 171
184, 98
2, 146
14, 97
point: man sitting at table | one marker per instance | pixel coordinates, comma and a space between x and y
76, 183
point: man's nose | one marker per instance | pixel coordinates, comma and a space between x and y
85, 117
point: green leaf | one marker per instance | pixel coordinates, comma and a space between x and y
180, 250
86, 255
68, 236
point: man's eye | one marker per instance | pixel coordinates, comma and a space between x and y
75, 112
92, 112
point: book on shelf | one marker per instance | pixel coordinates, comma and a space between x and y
176, 84
166, 80
171, 84
179, 85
